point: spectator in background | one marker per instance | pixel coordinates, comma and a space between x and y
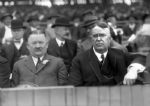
16, 49
49, 30
61, 46
6, 35
116, 32
142, 42
39, 69
33, 22
131, 27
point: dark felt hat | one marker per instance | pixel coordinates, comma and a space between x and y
87, 12
54, 15
61, 21
33, 18
89, 21
16, 24
4, 15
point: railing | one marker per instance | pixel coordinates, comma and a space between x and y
80, 96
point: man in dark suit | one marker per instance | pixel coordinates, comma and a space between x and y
61, 46
101, 65
17, 48
39, 68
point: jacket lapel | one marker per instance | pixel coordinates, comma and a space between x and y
44, 62
94, 64
110, 61
30, 64
54, 47
69, 48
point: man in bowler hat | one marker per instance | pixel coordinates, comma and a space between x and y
16, 49
61, 46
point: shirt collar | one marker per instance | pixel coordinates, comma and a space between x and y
59, 42
21, 40
98, 55
35, 60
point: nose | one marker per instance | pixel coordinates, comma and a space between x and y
37, 45
99, 38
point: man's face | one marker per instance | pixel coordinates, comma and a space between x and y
37, 45
100, 38
62, 32
17, 33
7, 21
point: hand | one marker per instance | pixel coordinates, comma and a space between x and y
131, 76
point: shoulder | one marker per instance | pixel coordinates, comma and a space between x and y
71, 42
53, 58
116, 52
21, 61
83, 55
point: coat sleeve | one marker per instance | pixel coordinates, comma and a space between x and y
4, 73
75, 77
15, 76
62, 73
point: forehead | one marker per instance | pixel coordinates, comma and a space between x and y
36, 37
99, 30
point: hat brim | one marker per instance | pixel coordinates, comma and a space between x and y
23, 27
65, 25
9, 15
87, 24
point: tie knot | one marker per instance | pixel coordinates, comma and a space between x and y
61, 44
102, 57
39, 60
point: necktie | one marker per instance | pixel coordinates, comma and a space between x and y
102, 60
61, 45
38, 63
102, 57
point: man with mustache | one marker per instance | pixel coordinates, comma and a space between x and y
101, 65
39, 68
62, 46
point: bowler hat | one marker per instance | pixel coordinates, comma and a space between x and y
4, 15
16, 24
61, 21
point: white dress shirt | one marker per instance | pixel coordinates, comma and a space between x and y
18, 45
35, 60
59, 42
7, 36
98, 55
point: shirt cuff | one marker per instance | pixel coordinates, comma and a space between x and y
136, 66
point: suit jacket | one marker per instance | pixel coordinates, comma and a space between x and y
4, 73
71, 49
86, 71
128, 31
50, 73
13, 54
